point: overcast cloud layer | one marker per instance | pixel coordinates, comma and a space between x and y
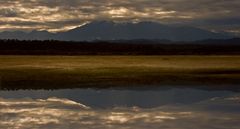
60, 15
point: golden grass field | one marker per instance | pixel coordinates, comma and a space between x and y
100, 71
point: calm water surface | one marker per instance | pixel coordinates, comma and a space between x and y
166, 108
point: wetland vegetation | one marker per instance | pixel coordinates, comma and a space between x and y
56, 72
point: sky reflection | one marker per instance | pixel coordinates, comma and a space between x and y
144, 98
63, 113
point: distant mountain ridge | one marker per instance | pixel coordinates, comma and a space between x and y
105, 30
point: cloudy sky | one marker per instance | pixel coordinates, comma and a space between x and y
61, 15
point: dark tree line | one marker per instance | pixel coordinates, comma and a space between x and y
120, 47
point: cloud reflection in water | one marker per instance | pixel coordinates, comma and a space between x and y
66, 114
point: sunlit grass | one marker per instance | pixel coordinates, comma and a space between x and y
84, 71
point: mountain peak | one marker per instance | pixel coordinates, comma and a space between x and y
109, 30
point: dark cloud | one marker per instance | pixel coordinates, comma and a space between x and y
69, 13
8, 12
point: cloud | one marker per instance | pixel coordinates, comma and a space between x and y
8, 12
59, 14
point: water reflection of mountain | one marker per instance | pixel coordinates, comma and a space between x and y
63, 113
148, 98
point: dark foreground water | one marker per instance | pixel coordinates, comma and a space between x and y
165, 108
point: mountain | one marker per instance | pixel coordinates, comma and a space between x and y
34, 35
105, 30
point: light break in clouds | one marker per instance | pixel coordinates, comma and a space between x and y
62, 15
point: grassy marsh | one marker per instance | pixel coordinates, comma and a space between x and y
53, 72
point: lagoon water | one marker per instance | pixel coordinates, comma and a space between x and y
165, 108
